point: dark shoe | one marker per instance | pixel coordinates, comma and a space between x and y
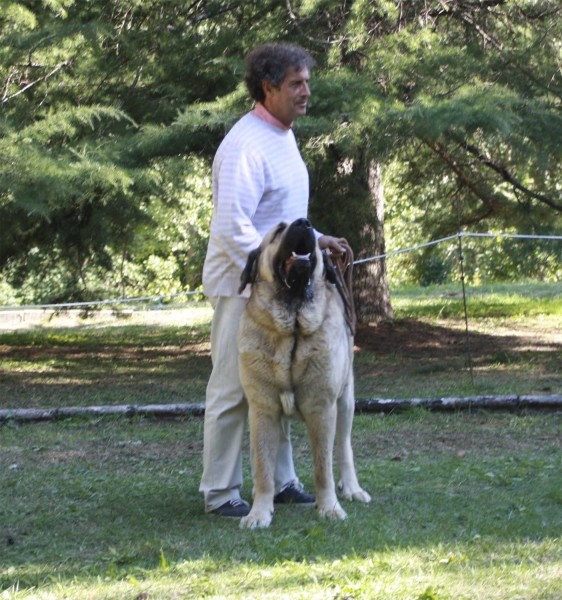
293, 494
232, 508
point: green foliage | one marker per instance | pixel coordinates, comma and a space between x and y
458, 118
82, 187
415, 216
167, 253
104, 104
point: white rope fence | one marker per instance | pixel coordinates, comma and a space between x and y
456, 236
159, 297
162, 297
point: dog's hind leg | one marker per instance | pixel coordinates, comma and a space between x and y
264, 432
348, 485
321, 429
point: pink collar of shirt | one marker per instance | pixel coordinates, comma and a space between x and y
262, 113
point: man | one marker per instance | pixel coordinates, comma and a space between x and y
259, 179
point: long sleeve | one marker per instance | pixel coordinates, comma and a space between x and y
240, 184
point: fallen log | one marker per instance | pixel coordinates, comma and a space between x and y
128, 410
363, 405
375, 405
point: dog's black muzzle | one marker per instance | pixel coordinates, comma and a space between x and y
296, 257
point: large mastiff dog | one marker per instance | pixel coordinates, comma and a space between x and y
296, 357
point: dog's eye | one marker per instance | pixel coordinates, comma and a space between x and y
280, 229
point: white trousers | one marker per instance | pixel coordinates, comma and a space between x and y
226, 412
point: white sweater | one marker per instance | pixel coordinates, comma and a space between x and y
259, 179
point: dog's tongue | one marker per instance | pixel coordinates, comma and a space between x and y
294, 258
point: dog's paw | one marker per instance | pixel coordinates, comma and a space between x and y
353, 493
335, 512
254, 521
361, 496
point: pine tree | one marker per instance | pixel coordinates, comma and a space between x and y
458, 101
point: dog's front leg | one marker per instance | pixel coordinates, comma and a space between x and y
321, 425
264, 434
348, 485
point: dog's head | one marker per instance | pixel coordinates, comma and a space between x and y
288, 258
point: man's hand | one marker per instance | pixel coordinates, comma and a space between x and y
327, 242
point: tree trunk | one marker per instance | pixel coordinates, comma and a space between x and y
370, 283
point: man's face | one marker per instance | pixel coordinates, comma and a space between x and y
288, 101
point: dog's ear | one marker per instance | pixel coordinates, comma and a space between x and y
329, 268
250, 271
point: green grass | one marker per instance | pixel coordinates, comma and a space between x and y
163, 356
495, 301
464, 506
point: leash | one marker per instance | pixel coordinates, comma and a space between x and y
342, 268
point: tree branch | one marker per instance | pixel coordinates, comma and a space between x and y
7, 84
211, 15
507, 60
463, 177
44, 78
450, 8
506, 175
295, 20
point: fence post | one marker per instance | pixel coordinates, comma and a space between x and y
461, 261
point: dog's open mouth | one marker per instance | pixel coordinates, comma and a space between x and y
296, 256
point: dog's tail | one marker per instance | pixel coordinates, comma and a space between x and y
288, 403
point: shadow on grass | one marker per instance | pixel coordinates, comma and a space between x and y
411, 338
406, 357
140, 364
126, 365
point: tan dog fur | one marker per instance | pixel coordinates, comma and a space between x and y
298, 359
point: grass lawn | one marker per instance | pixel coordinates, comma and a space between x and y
465, 505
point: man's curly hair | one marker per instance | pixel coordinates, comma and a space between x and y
270, 62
